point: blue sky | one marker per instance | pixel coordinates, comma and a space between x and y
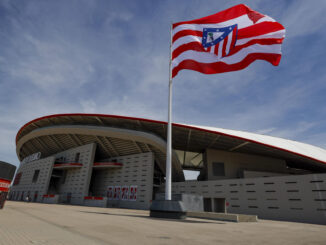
112, 57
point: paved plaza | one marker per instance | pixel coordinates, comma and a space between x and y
36, 223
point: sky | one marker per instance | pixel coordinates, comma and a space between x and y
112, 57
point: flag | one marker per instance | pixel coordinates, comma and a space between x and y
226, 41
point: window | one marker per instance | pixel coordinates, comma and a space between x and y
218, 169
60, 160
77, 157
35, 176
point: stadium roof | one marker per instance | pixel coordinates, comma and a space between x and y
55, 133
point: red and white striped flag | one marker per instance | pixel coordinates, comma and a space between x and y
226, 41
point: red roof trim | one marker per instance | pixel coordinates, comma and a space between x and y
161, 122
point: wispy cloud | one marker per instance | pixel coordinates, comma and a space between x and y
112, 57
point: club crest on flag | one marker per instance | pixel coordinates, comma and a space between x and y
219, 41
227, 41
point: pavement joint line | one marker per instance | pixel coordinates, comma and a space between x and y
62, 227
23, 223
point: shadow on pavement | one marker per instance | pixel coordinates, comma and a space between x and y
148, 217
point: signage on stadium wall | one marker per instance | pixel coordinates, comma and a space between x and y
110, 192
4, 185
125, 193
116, 194
4, 188
133, 193
31, 158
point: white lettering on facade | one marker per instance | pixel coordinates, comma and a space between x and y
31, 158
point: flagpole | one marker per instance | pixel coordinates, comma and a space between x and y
168, 173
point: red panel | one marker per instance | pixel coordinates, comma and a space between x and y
4, 185
48, 196
93, 198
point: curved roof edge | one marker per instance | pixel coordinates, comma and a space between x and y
85, 114
301, 149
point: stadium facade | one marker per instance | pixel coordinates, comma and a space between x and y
116, 161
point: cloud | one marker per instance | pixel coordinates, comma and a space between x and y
303, 18
112, 57
49, 65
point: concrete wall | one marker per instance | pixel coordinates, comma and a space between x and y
51, 199
25, 184
233, 162
137, 171
191, 202
77, 180
292, 198
96, 202
257, 174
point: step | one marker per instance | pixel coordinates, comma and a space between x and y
223, 216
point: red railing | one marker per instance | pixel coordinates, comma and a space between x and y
67, 164
93, 198
48, 196
113, 164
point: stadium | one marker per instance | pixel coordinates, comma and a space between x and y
117, 161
